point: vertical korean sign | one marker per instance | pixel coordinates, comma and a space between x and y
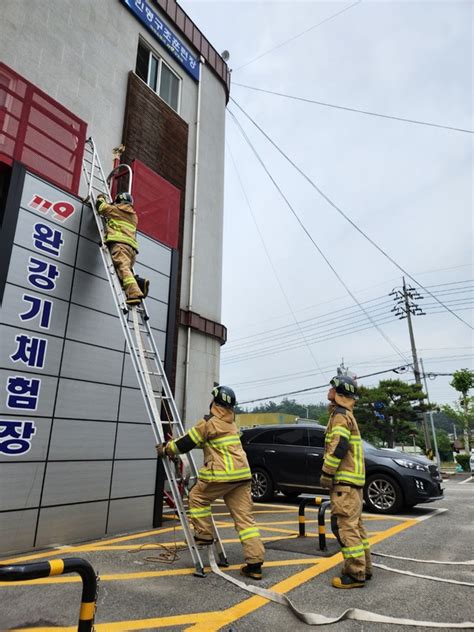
33, 318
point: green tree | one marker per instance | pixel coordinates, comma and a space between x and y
442, 421
402, 404
463, 382
444, 445
291, 407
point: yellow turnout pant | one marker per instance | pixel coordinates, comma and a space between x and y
123, 257
239, 502
347, 526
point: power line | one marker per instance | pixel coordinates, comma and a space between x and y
271, 263
339, 278
348, 109
338, 298
291, 39
328, 327
453, 282
340, 211
299, 375
319, 322
320, 387
321, 336
307, 320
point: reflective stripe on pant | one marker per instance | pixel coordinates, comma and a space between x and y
239, 503
123, 257
347, 526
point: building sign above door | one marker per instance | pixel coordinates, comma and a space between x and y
151, 20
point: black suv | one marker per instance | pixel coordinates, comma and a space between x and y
289, 458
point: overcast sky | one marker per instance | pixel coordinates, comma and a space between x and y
408, 186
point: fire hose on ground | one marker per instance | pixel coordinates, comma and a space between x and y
357, 614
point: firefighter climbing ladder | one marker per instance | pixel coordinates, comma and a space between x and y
146, 360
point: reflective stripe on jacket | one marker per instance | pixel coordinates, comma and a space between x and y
224, 457
120, 223
344, 454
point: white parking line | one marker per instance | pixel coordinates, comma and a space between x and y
429, 514
466, 481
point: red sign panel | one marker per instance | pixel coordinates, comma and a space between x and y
157, 203
39, 132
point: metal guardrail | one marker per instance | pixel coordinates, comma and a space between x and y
36, 570
323, 504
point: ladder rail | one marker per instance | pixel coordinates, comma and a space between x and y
141, 358
115, 173
170, 400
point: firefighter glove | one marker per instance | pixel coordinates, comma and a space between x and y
99, 199
326, 481
161, 449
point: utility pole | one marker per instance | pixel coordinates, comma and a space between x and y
430, 412
406, 308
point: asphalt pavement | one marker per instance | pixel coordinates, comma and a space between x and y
143, 588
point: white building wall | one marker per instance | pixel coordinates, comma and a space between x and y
80, 53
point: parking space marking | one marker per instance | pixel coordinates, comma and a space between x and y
428, 515
152, 545
106, 543
253, 603
110, 577
65, 549
468, 480
213, 620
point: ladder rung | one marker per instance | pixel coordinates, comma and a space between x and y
153, 383
146, 351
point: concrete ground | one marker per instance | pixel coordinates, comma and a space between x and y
140, 590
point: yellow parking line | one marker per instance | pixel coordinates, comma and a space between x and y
85, 547
226, 617
75, 579
105, 544
213, 621
151, 545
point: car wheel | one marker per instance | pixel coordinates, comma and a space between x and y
383, 495
262, 485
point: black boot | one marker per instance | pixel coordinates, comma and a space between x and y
347, 581
252, 570
143, 284
203, 541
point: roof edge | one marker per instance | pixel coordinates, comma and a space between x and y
186, 26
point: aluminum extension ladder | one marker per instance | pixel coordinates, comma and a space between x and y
146, 361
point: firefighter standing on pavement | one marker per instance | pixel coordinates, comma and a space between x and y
343, 473
225, 474
121, 237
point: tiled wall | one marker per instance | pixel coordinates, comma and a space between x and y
90, 468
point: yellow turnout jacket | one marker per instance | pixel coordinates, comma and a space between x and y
224, 457
343, 454
120, 222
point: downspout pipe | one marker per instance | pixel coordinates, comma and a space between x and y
192, 255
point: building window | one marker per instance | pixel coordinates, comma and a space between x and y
159, 76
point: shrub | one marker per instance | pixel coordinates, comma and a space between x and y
463, 460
